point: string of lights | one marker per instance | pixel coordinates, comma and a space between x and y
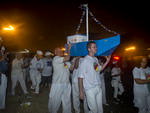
95, 19
103, 26
81, 21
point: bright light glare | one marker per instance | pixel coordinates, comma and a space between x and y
116, 57
63, 49
10, 28
130, 48
148, 49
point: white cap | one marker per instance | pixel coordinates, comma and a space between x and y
21, 52
47, 53
26, 50
38, 52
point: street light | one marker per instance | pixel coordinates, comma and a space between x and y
9, 28
132, 48
63, 49
148, 49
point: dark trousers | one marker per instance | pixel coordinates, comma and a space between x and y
45, 80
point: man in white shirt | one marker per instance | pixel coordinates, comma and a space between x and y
116, 81
17, 73
36, 67
141, 91
61, 89
47, 69
75, 87
89, 80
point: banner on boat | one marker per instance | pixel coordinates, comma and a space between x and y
76, 38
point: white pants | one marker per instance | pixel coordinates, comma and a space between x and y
60, 93
36, 80
76, 100
26, 75
142, 100
3, 87
118, 88
18, 77
94, 99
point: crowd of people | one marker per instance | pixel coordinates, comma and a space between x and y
75, 80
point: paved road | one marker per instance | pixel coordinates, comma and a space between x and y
39, 104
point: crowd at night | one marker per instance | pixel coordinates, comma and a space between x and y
74, 57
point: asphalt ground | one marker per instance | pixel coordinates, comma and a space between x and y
39, 103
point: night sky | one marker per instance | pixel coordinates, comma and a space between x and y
45, 25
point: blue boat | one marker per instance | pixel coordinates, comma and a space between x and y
105, 47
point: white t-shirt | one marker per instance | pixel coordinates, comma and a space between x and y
116, 71
36, 64
17, 66
75, 76
61, 71
102, 76
76, 72
47, 69
139, 73
147, 70
89, 70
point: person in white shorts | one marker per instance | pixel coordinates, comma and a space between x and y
89, 80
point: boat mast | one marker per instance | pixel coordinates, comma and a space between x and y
87, 23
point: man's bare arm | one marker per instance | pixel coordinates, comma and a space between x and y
81, 89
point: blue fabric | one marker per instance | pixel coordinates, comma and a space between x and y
3, 68
105, 47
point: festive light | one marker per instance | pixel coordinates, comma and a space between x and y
103, 26
81, 20
95, 19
